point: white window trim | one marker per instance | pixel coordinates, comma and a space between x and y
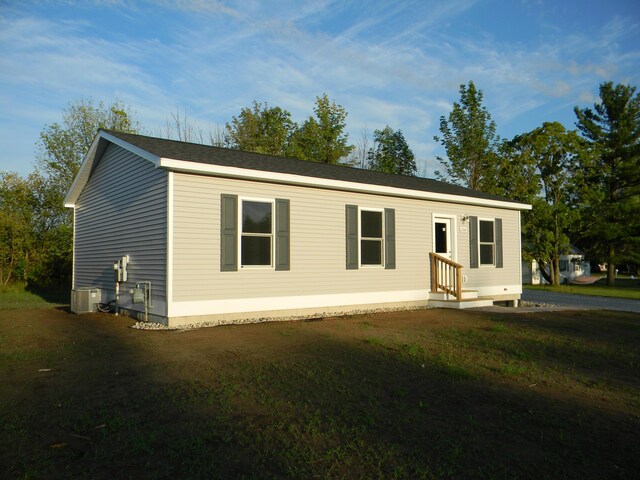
493, 264
370, 209
454, 235
271, 201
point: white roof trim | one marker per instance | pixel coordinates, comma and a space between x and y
302, 180
132, 148
87, 164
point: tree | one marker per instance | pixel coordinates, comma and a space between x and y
610, 174
518, 177
322, 139
16, 207
262, 129
551, 150
178, 126
391, 153
24, 224
358, 156
61, 150
469, 138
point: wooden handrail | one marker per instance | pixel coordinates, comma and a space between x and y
446, 275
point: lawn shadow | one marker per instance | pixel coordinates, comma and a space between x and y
601, 348
59, 294
280, 401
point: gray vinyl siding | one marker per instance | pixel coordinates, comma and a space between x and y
122, 210
488, 276
317, 243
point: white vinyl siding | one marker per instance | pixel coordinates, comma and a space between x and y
122, 210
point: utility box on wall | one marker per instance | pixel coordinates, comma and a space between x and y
85, 300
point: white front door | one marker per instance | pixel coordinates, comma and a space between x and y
442, 237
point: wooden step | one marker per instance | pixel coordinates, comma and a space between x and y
466, 295
462, 304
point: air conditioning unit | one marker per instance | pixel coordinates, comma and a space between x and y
85, 300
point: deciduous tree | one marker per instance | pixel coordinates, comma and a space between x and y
261, 129
391, 153
470, 140
551, 149
61, 149
322, 138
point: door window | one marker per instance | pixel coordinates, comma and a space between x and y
441, 233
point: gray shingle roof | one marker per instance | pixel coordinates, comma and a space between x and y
209, 155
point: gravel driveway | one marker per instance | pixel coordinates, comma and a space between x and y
581, 301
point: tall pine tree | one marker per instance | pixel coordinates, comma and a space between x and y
610, 174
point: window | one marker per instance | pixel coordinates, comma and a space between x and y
371, 237
564, 265
441, 237
256, 241
487, 242
259, 229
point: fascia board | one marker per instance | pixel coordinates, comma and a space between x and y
87, 164
132, 148
301, 180
80, 180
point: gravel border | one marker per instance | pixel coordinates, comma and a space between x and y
158, 326
523, 307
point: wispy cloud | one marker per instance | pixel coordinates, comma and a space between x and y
388, 62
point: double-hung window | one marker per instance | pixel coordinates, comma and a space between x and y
256, 238
487, 241
254, 233
371, 237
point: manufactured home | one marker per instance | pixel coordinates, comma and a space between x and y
573, 265
186, 234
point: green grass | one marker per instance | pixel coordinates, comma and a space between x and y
624, 288
16, 297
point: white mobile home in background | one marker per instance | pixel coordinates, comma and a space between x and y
572, 266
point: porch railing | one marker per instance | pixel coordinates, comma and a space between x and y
446, 275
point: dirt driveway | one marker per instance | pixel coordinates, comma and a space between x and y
421, 394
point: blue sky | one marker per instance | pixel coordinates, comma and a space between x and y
387, 62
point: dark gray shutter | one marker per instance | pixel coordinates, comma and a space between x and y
352, 237
473, 242
389, 238
228, 233
498, 233
282, 234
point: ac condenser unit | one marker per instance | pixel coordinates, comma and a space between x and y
85, 300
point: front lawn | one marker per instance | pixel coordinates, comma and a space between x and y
421, 394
